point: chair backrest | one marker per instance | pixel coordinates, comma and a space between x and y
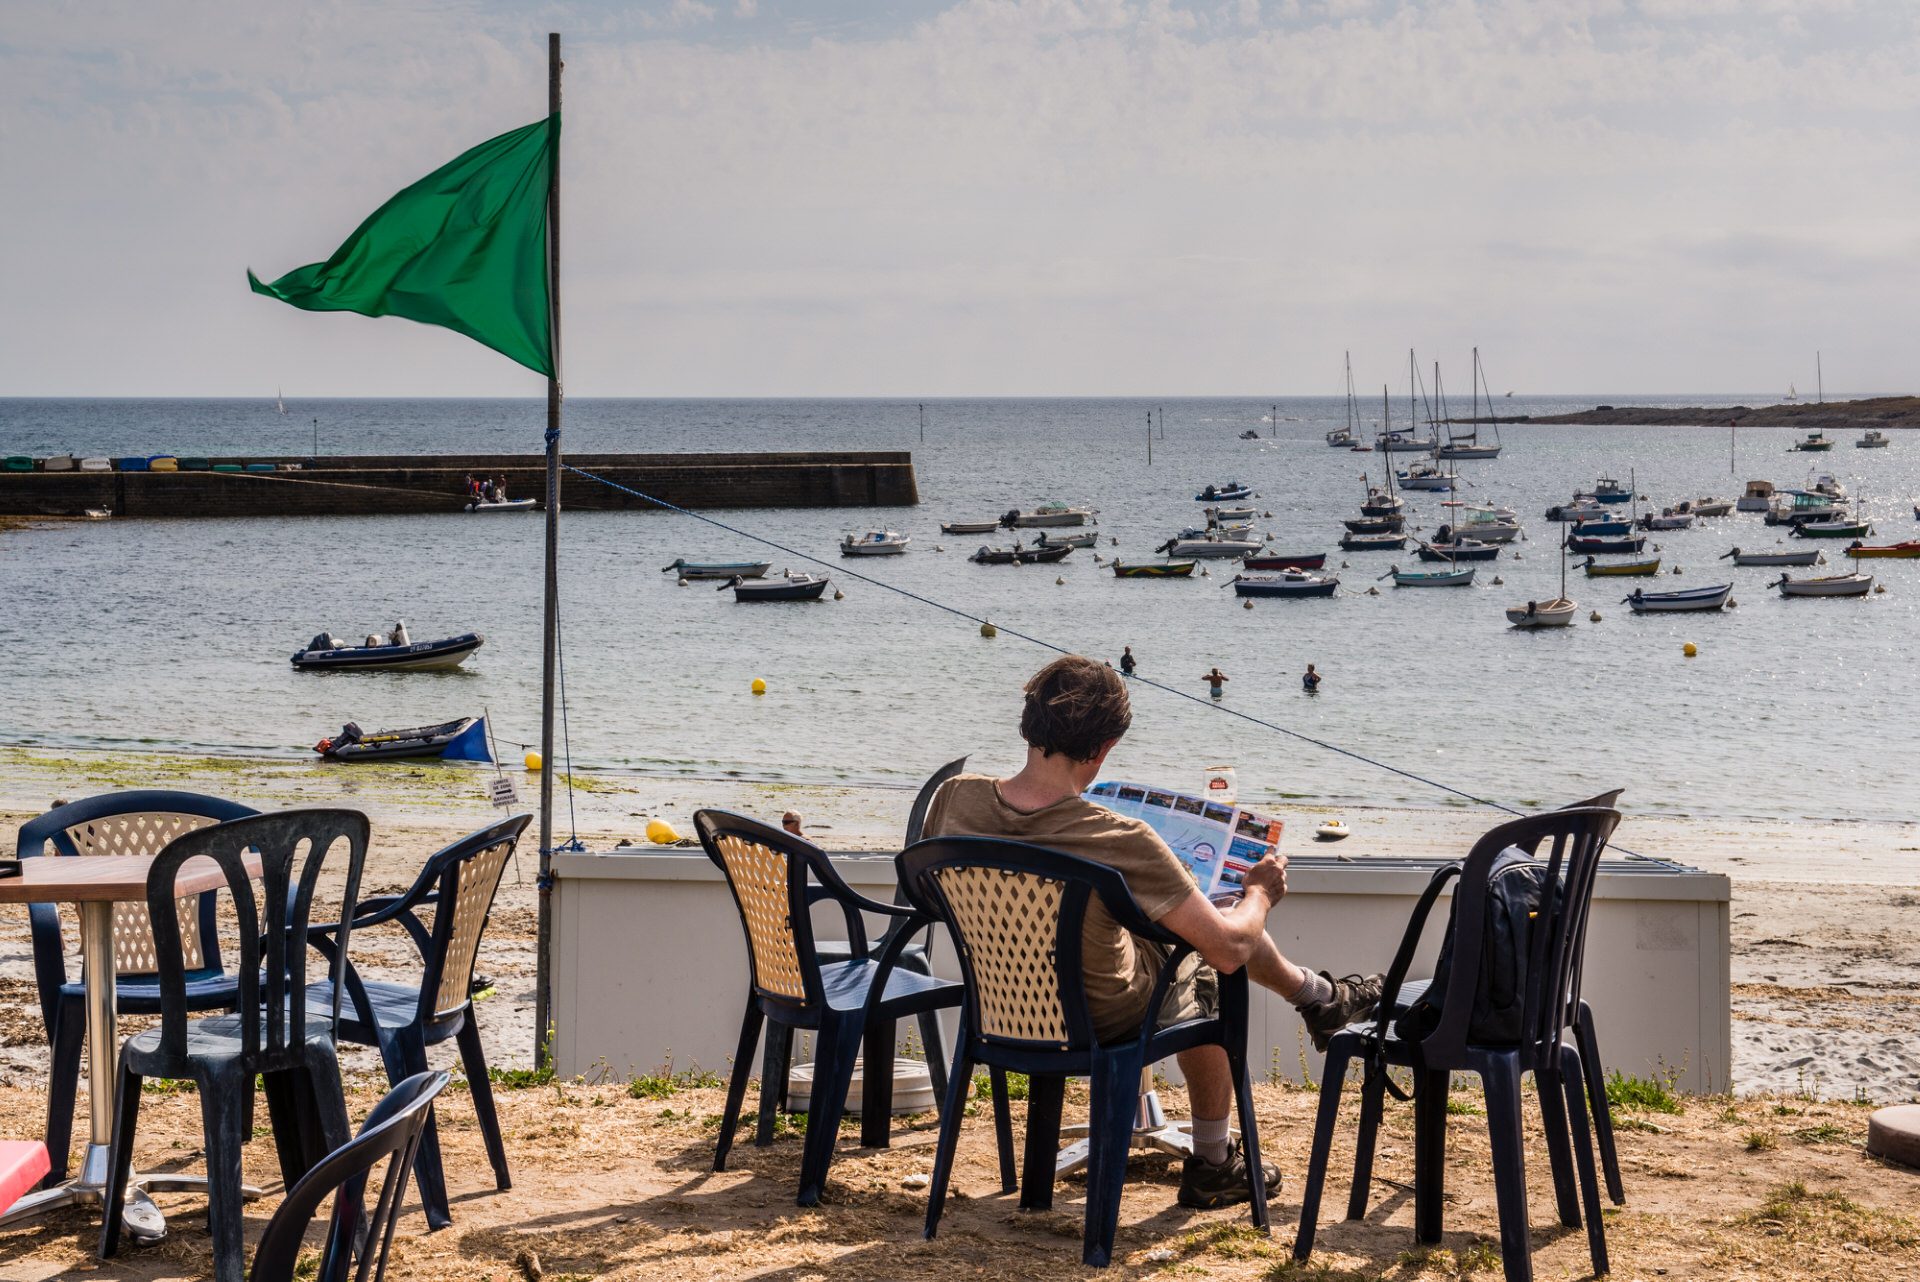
468, 873
392, 1130
1574, 840
294, 846
1015, 914
140, 822
766, 869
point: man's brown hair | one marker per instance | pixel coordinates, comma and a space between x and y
1074, 706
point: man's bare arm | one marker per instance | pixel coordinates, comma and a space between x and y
1227, 938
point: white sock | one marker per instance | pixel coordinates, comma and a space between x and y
1210, 1142
1316, 989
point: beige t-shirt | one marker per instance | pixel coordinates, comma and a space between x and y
1119, 972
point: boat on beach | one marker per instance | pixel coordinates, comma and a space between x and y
1903, 551
875, 543
1621, 569
788, 587
719, 569
1285, 561
1644, 602
328, 653
1154, 570
1806, 556
1286, 583
1828, 585
1018, 555
969, 527
463, 739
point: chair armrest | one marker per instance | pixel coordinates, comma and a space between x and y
376, 911
852, 903
895, 943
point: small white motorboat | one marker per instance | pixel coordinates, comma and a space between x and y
1829, 585
1875, 439
1807, 556
1708, 506
1047, 515
1085, 539
875, 543
1557, 613
502, 505
1644, 602
1209, 547
1758, 498
1424, 476
1229, 515
1668, 519
1332, 830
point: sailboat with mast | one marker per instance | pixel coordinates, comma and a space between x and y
1428, 475
1345, 438
1557, 613
1409, 441
1466, 445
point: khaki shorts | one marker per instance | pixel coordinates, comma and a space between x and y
1194, 993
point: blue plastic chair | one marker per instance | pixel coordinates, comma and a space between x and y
118, 823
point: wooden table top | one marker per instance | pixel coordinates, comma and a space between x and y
49, 879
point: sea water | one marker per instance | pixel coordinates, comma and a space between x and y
175, 635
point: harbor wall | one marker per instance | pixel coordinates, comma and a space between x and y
370, 485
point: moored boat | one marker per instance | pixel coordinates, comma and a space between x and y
1209, 547
1424, 476
1374, 524
1708, 506
1905, 551
1621, 569
1395, 441
875, 543
719, 569
1047, 515
1154, 570
1644, 602
1429, 578
788, 587
968, 527
1226, 493
1624, 544
1839, 528
1373, 542
1581, 509
1875, 439
328, 653
501, 505
1084, 539
1608, 490
1816, 443
1017, 555
1828, 585
1286, 561
1285, 583
1465, 550
1758, 498
1557, 613
1668, 519
1601, 527
1380, 502
1229, 515
1800, 556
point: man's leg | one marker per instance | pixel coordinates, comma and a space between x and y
1326, 1005
1210, 1098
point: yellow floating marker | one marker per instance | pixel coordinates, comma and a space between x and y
988, 630
533, 761
759, 685
662, 833
1690, 649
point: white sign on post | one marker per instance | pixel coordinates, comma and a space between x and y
503, 792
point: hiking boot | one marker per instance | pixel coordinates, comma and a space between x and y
1208, 1186
1353, 998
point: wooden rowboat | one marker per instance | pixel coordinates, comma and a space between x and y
1622, 569
1155, 570
1907, 551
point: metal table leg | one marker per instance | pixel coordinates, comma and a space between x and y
140, 1218
1151, 1130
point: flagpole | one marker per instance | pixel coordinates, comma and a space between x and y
550, 631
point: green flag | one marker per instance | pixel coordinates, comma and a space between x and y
465, 247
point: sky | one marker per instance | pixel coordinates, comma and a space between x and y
986, 197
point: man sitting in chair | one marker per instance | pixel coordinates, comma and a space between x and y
1076, 710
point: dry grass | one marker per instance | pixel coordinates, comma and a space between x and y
615, 1183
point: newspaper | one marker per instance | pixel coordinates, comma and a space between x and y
1216, 841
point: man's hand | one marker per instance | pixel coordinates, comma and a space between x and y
1269, 875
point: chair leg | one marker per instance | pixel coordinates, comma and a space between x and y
1553, 1120
776, 1067
1249, 1135
833, 1060
1573, 1084
1596, 1078
1430, 1155
951, 1113
1002, 1127
473, 1057
737, 1084
1373, 1103
1116, 1099
1333, 1081
1045, 1096
126, 1116
67, 1037
1501, 1076
221, 1118
292, 1141
933, 1040
876, 1084
428, 1170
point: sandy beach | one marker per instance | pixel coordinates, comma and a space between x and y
1826, 966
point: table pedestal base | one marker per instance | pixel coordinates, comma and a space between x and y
140, 1219
1151, 1131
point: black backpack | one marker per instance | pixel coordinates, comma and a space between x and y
1514, 885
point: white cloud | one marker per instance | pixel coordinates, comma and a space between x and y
1002, 196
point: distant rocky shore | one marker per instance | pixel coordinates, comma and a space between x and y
1878, 411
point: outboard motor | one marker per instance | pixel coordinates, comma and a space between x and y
1444, 534
1013, 514
322, 642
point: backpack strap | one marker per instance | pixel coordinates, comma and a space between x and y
1374, 1055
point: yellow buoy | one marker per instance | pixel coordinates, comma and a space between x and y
533, 761
1690, 649
988, 630
759, 685
662, 833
